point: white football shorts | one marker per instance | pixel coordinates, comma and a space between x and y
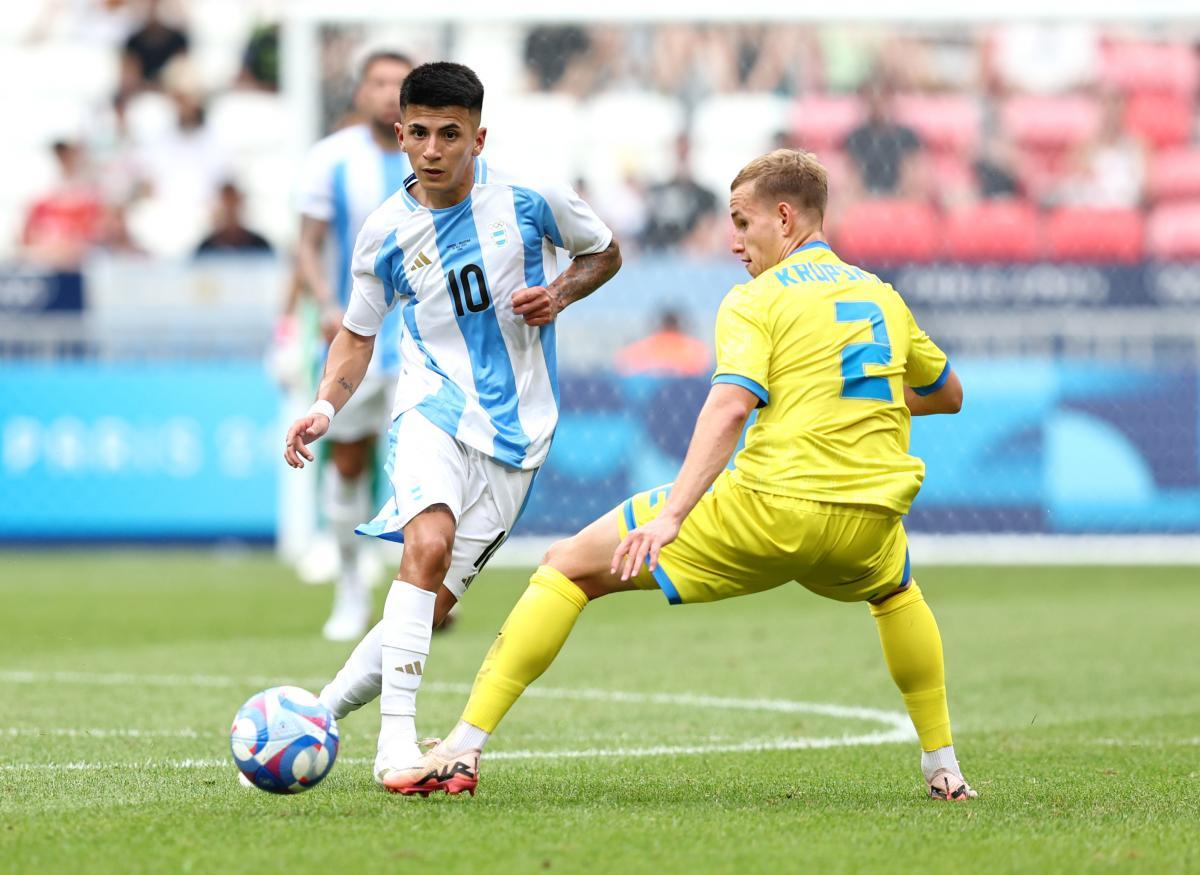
366, 413
426, 466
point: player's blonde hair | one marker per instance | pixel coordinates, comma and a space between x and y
788, 175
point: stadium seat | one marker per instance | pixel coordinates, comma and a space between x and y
1174, 174
647, 148
150, 116
1000, 231
249, 122
1050, 122
551, 156
721, 149
945, 122
820, 123
888, 232
1161, 67
1093, 234
1159, 120
1173, 231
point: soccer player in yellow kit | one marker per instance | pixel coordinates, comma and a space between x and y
836, 364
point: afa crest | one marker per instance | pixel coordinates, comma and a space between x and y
499, 234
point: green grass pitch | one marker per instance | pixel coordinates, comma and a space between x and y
1073, 691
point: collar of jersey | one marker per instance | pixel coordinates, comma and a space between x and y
814, 244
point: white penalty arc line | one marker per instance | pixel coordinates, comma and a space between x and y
898, 728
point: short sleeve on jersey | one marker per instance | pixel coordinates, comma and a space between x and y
374, 290
743, 346
565, 218
927, 368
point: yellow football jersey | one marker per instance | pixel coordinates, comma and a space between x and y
827, 348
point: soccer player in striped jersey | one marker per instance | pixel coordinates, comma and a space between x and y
344, 178
837, 366
466, 256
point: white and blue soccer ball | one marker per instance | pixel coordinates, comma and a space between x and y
284, 740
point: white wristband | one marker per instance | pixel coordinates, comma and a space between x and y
322, 407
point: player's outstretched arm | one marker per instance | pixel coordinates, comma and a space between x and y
947, 399
540, 305
349, 356
715, 438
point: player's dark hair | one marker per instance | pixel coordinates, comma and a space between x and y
442, 83
382, 55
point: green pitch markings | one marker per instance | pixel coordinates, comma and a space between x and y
662, 740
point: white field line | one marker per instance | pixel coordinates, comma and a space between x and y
59, 732
898, 728
1150, 742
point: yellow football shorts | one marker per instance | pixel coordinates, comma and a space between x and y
738, 541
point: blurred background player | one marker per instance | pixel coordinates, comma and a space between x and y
346, 176
837, 364
465, 255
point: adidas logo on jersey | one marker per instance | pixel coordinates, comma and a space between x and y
411, 668
422, 260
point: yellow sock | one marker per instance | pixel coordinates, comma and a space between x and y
912, 647
530, 638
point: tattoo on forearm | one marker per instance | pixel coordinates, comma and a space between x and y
586, 274
346, 384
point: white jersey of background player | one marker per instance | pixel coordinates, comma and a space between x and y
464, 257
344, 178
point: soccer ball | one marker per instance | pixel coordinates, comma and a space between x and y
284, 740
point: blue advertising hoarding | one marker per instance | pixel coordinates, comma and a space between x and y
192, 451
137, 451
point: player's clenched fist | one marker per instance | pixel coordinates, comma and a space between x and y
304, 431
537, 304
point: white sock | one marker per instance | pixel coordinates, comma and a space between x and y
407, 627
347, 504
465, 737
358, 681
942, 758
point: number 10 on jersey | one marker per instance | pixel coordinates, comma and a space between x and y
469, 287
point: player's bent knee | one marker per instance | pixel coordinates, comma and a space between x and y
558, 555
429, 551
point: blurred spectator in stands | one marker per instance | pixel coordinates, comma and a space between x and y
552, 54
177, 176
149, 48
680, 213
883, 152
229, 235
260, 60
1110, 169
668, 352
65, 222
622, 206
994, 171
1045, 57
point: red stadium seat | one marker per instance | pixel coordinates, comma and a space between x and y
994, 231
1169, 67
948, 122
1174, 174
1173, 231
820, 123
1095, 234
1050, 122
889, 232
1159, 119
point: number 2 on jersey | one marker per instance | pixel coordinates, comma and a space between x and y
856, 356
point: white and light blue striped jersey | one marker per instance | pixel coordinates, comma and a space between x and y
345, 177
468, 363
